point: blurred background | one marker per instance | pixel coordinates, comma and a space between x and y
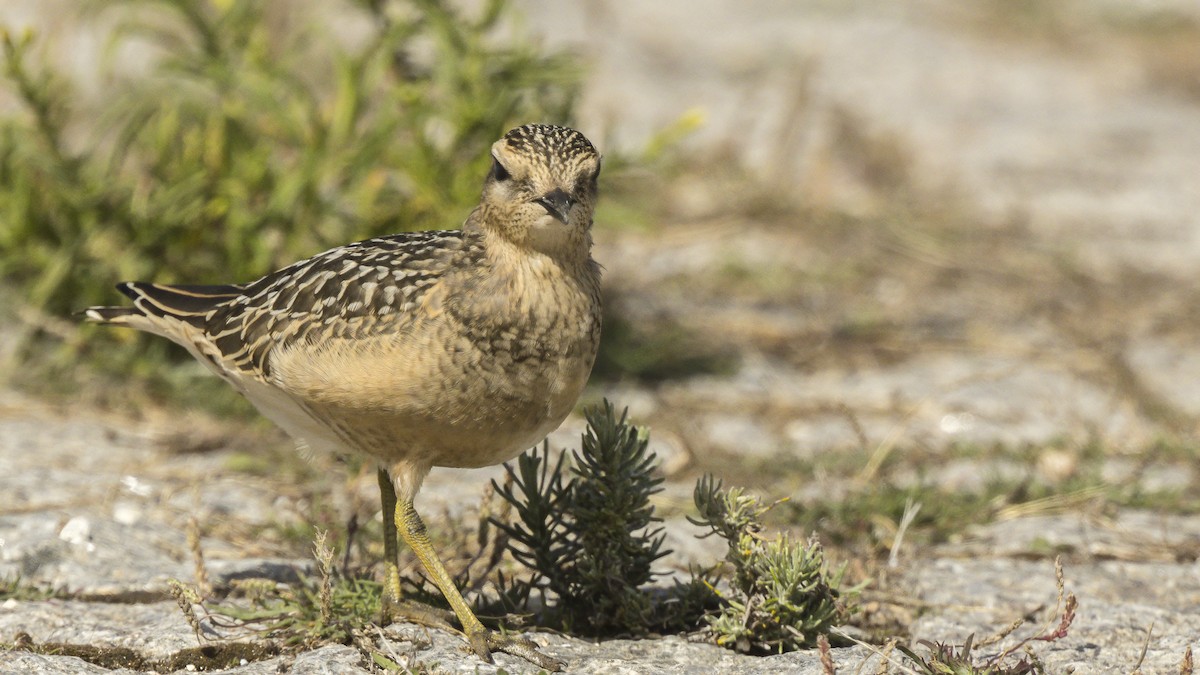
858, 254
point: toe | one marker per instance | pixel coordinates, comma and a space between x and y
525, 649
417, 613
481, 645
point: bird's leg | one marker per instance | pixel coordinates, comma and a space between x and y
351, 530
394, 607
483, 642
391, 574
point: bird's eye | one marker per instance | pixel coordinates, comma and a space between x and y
589, 183
498, 171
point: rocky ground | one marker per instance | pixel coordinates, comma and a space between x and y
920, 250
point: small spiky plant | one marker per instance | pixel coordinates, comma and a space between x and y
784, 596
589, 539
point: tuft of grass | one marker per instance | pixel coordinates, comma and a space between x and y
15, 587
315, 611
941, 658
330, 608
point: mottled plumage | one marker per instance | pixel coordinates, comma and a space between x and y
445, 348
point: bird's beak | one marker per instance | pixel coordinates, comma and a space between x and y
557, 203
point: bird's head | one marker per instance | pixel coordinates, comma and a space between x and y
541, 190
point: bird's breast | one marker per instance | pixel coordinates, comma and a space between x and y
482, 379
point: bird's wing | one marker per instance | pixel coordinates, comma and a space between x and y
351, 291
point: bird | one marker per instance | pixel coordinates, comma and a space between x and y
447, 348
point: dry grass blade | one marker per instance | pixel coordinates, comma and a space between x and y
1053, 504
911, 509
203, 587
324, 556
186, 597
885, 657
1137, 667
827, 664
882, 451
1001, 634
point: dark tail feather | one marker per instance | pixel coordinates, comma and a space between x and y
185, 303
178, 301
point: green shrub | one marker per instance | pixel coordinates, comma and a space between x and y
589, 538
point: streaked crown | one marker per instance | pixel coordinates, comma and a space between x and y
550, 141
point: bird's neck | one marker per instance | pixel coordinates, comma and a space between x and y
516, 250
513, 263
515, 280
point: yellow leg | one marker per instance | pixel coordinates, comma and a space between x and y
391, 578
482, 641
394, 606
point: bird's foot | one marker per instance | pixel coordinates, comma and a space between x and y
484, 642
415, 612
